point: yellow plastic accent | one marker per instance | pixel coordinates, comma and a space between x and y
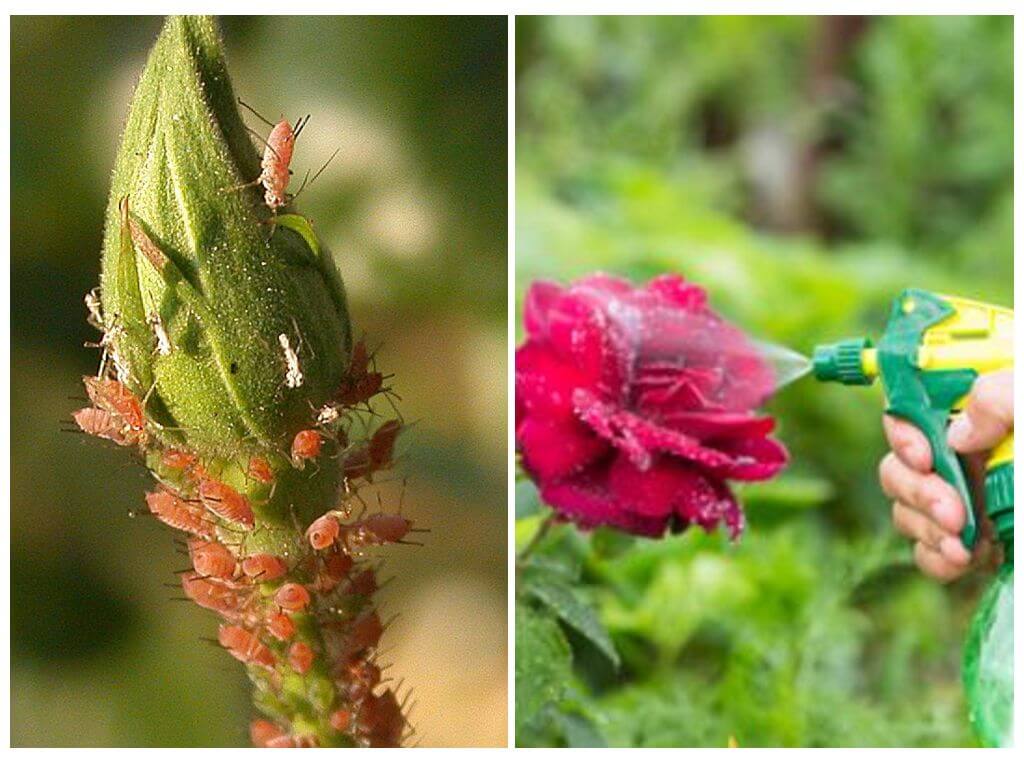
869, 362
1002, 453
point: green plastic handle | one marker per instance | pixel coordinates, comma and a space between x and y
926, 398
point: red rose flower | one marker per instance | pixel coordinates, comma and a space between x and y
635, 406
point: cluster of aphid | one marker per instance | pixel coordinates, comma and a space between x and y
283, 616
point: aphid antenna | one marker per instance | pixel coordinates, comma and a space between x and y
253, 110
301, 123
308, 180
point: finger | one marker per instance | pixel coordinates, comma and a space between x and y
917, 526
927, 493
988, 416
935, 565
908, 443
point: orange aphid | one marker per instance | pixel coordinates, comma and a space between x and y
175, 459
111, 395
300, 656
280, 626
306, 445
262, 731
224, 501
212, 559
292, 597
340, 719
244, 646
184, 515
284, 740
101, 423
264, 567
323, 531
259, 469
218, 596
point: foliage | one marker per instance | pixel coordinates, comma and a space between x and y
814, 629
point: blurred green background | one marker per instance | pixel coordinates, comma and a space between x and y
414, 210
804, 170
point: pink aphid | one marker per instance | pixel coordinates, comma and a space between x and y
264, 567
323, 532
244, 646
184, 515
277, 159
210, 558
224, 501
374, 530
279, 146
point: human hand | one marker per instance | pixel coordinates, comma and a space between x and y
926, 509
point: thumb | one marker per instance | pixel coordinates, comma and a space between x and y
988, 416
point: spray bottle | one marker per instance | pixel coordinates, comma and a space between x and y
932, 350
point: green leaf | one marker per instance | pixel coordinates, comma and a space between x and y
579, 731
543, 663
609, 542
527, 500
558, 595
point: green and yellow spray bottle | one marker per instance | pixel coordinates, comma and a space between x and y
932, 350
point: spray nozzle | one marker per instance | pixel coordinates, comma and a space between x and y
842, 362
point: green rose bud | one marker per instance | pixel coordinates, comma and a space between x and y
230, 334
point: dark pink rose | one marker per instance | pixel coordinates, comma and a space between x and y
635, 406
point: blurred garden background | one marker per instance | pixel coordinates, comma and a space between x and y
804, 170
414, 210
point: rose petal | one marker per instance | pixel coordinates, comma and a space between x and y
582, 334
545, 381
541, 296
587, 502
553, 449
715, 425
678, 292
650, 493
753, 458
